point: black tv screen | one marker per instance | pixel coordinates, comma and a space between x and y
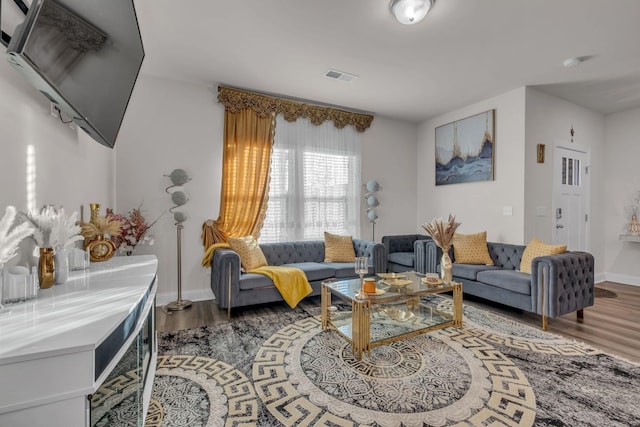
84, 56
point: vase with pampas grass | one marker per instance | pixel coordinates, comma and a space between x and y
442, 233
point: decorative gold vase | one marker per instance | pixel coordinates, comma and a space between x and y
446, 268
46, 268
101, 249
95, 213
634, 226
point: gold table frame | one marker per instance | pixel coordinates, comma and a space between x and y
363, 307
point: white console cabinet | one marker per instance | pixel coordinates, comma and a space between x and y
64, 354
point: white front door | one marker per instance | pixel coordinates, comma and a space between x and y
571, 196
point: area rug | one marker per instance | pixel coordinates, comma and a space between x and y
604, 293
283, 370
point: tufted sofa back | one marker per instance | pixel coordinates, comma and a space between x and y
291, 252
506, 256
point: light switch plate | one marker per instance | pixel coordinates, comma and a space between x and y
507, 211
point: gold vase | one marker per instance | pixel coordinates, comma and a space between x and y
101, 249
446, 268
95, 212
93, 219
46, 268
634, 227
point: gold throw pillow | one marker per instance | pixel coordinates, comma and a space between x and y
471, 249
338, 248
536, 248
251, 256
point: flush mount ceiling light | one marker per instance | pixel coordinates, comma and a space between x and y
574, 61
409, 12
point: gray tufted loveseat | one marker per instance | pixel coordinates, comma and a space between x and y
234, 288
558, 284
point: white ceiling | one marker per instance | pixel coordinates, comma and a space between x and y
463, 52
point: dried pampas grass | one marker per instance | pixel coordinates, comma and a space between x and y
442, 232
102, 226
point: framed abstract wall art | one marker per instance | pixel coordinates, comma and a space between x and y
465, 149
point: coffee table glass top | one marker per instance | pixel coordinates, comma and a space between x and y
387, 289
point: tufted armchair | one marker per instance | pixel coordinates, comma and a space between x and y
558, 284
406, 252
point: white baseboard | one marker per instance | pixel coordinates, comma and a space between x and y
195, 295
622, 278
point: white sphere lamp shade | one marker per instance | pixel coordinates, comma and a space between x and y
179, 177
372, 215
372, 201
179, 198
372, 186
179, 217
410, 12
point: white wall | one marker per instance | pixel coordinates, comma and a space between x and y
177, 125
479, 205
71, 169
174, 125
621, 182
548, 121
388, 156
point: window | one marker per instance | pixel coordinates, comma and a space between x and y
315, 182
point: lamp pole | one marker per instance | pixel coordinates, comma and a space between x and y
180, 304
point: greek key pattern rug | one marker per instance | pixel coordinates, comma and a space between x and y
283, 370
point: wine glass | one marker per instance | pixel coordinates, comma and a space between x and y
362, 268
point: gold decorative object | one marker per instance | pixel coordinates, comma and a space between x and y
95, 212
101, 249
46, 268
442, 234
634, 226
235, 100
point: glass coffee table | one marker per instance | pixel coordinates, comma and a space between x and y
396, 303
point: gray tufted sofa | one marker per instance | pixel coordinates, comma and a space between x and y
234, 288
558, 284
406, 252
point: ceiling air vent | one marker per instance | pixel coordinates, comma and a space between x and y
339, 75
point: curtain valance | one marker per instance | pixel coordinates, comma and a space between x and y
235, 100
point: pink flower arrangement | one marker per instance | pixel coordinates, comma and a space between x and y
133, 230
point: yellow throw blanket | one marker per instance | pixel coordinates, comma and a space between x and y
291, 282
208, 255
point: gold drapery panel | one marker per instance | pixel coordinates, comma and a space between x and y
248, 140
235, 100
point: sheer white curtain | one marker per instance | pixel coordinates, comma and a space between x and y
315, 182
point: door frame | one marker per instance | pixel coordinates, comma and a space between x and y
586, 179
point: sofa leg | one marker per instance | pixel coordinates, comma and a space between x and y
580, 315
544, 322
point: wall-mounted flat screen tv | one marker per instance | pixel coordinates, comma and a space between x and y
84, 56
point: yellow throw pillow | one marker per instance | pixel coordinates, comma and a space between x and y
338, 248
251, 255
536, 248
471, 249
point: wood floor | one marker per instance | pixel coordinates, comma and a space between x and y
611, 324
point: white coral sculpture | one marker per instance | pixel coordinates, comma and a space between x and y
9, 240
53, 228
65, 230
